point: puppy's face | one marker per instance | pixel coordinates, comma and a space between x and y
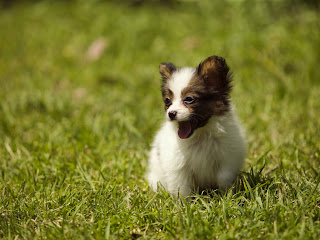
192, 96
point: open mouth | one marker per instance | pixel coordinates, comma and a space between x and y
185, 129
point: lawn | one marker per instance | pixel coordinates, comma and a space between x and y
80, 102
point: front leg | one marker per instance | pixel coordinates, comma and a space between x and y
179, 183
226, 178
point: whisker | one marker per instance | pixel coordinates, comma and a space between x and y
197, 116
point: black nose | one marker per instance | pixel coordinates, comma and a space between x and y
172, 115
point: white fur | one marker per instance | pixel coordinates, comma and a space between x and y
213, 155
178, 81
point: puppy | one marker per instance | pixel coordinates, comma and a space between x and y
201, 144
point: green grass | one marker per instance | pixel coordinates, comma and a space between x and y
75, 133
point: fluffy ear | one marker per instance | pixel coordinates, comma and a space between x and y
215, 72
166, 70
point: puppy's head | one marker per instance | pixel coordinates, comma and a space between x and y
193, 95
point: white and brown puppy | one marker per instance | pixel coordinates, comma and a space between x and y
201, 144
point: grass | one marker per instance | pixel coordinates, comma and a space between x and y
75, 132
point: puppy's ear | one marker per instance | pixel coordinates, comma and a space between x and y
215, 72
166, 70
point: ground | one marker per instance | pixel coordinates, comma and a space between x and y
80, 102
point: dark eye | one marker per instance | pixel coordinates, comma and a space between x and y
167, 102
188, 100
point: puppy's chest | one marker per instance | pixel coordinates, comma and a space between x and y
203, 158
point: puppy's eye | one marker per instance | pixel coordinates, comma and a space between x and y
188, 100
167, 102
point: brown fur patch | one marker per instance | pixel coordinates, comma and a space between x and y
215, 72
166, 93
210, 87
166, 70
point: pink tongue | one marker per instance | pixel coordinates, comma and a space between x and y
184, 129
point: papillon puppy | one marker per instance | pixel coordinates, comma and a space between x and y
201, 145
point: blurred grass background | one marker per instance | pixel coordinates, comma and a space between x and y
80, 103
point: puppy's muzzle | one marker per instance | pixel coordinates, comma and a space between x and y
172, 115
